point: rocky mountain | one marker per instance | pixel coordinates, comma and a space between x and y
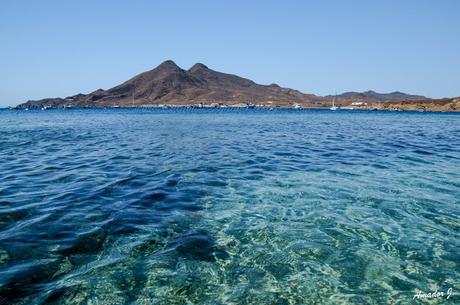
168, 84
375, 96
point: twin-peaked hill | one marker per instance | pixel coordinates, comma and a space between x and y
169, 84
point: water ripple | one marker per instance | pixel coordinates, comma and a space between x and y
227, 206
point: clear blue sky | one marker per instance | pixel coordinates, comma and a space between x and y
60, 48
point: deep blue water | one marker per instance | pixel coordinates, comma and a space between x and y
228, 206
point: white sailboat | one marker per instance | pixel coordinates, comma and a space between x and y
333, 103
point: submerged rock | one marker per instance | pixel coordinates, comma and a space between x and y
198, 245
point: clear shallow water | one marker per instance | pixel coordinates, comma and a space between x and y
228, 206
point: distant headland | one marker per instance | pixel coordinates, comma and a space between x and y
170, 85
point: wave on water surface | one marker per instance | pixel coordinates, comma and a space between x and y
227, 206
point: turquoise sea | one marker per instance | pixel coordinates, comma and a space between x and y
228, 206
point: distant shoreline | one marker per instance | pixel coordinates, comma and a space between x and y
168, 85
283, 107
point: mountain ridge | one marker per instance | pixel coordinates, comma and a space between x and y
169, 84
373, 95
